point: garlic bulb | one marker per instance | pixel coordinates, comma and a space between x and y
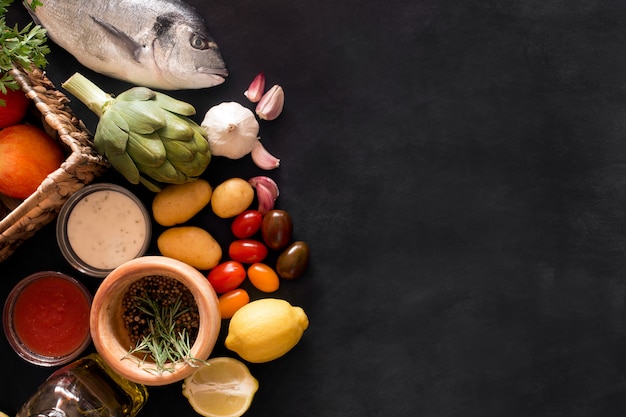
232, 130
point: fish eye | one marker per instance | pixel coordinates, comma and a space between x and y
199, 42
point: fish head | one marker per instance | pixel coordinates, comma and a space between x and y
185, 54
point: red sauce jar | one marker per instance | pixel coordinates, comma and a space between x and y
46, 318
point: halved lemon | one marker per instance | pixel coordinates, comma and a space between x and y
223, 387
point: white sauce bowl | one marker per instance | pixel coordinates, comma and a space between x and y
102, 226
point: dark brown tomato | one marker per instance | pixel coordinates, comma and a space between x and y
293, 261
276, 229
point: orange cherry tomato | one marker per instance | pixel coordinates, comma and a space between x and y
263, 277
232, 301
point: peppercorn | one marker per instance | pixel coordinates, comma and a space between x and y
165, 292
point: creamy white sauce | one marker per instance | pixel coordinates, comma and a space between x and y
106, 228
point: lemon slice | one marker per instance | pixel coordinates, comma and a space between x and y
223, 387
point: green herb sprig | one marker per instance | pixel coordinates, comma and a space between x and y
163, 344
25, 47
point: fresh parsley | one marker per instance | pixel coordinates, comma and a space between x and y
25, 47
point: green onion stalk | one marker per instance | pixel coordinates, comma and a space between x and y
146, 135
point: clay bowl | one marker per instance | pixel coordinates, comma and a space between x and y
110, 336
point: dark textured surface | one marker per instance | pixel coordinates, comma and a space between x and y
458, 169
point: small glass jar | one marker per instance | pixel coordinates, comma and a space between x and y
102, 226
86, 387
46, 318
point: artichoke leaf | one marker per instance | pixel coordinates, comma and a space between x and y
203, 163
109, 138
141, 116
117, 120
110, 145
166, 173
147, 150
173, 105
195, 167
200, 131
199, 147
176, 128
190, 169
126, 166
201, 144
150, 184
179, 151
137, 94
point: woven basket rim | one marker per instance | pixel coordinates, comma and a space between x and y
80, 167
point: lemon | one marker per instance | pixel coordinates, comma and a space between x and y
223, 387
265, 329
2, 414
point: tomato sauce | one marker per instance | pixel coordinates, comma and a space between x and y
51, 316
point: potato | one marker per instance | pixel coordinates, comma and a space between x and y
232, 197
190, 244
177, 203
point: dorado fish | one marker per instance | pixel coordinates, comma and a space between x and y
162, 44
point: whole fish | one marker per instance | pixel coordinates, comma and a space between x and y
162, 44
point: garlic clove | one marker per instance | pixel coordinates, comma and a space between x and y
266, 191
271, 104
256, 88
262, 158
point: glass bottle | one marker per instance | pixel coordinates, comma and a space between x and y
86, 387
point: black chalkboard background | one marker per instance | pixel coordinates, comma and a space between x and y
459, 170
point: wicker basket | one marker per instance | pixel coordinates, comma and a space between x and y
20, 219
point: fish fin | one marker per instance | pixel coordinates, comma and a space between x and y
128, 43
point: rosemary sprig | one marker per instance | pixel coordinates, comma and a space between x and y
163, 344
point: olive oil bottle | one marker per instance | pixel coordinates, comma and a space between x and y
86, 387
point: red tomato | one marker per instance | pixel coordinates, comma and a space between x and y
227, 276
247, 223
232, 301
14, 109
263, 277
247, 251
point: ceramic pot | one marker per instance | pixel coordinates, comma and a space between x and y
109, 333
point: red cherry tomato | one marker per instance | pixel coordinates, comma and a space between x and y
232, 301
246, 224
263, 277
247, 251
226, 276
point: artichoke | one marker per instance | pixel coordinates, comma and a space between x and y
145, 135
